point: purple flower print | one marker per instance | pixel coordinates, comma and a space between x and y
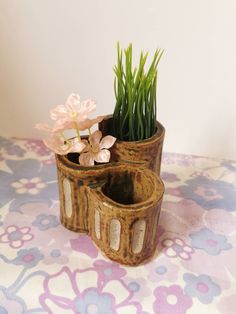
11, 148
201, 287
28, 258
171, 300
108, 270
83, 293
15, 236
91, 301
45, 222
27, 181
176, 247
210, 193
210, 242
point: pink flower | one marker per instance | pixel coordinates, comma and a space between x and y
171, 300
57, 143
74, 114
97, 150
16, 236
176, 247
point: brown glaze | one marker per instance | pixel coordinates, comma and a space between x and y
118, 204
148, 151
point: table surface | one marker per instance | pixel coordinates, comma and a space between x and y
45, 268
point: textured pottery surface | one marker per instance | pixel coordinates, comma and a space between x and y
147, 151
117, 204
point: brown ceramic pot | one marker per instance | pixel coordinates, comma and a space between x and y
117, 204
148, 151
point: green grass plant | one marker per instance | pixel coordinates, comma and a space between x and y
134, 117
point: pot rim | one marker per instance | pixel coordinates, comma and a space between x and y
160, 132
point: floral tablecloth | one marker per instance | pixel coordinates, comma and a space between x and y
45, 268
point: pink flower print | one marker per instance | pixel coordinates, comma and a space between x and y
29, 186
80, 291
15, 236
84, 244
176, 247
171, 300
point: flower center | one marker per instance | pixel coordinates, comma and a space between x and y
92, 309
28, 258
134, 286
172, 299
55, 253
161, 270
211, 242
95, 149
177, 248
30, 185
202, 287
73, 114
108, 271
15, 235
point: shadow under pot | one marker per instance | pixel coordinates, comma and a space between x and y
148, 151
124, 214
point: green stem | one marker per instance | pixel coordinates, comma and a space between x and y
77, 131
65, 138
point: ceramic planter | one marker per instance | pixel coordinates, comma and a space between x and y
148, 151
117, 204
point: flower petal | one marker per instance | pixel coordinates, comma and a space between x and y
54, 284
96, 137
73, 99
58, 112
103, 156
85, 123
43, 127
87, 106
86, 279
107, 141
56, 143
77, 146
16, 244
115, 285
86, 159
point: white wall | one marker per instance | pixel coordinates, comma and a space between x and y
49, 48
